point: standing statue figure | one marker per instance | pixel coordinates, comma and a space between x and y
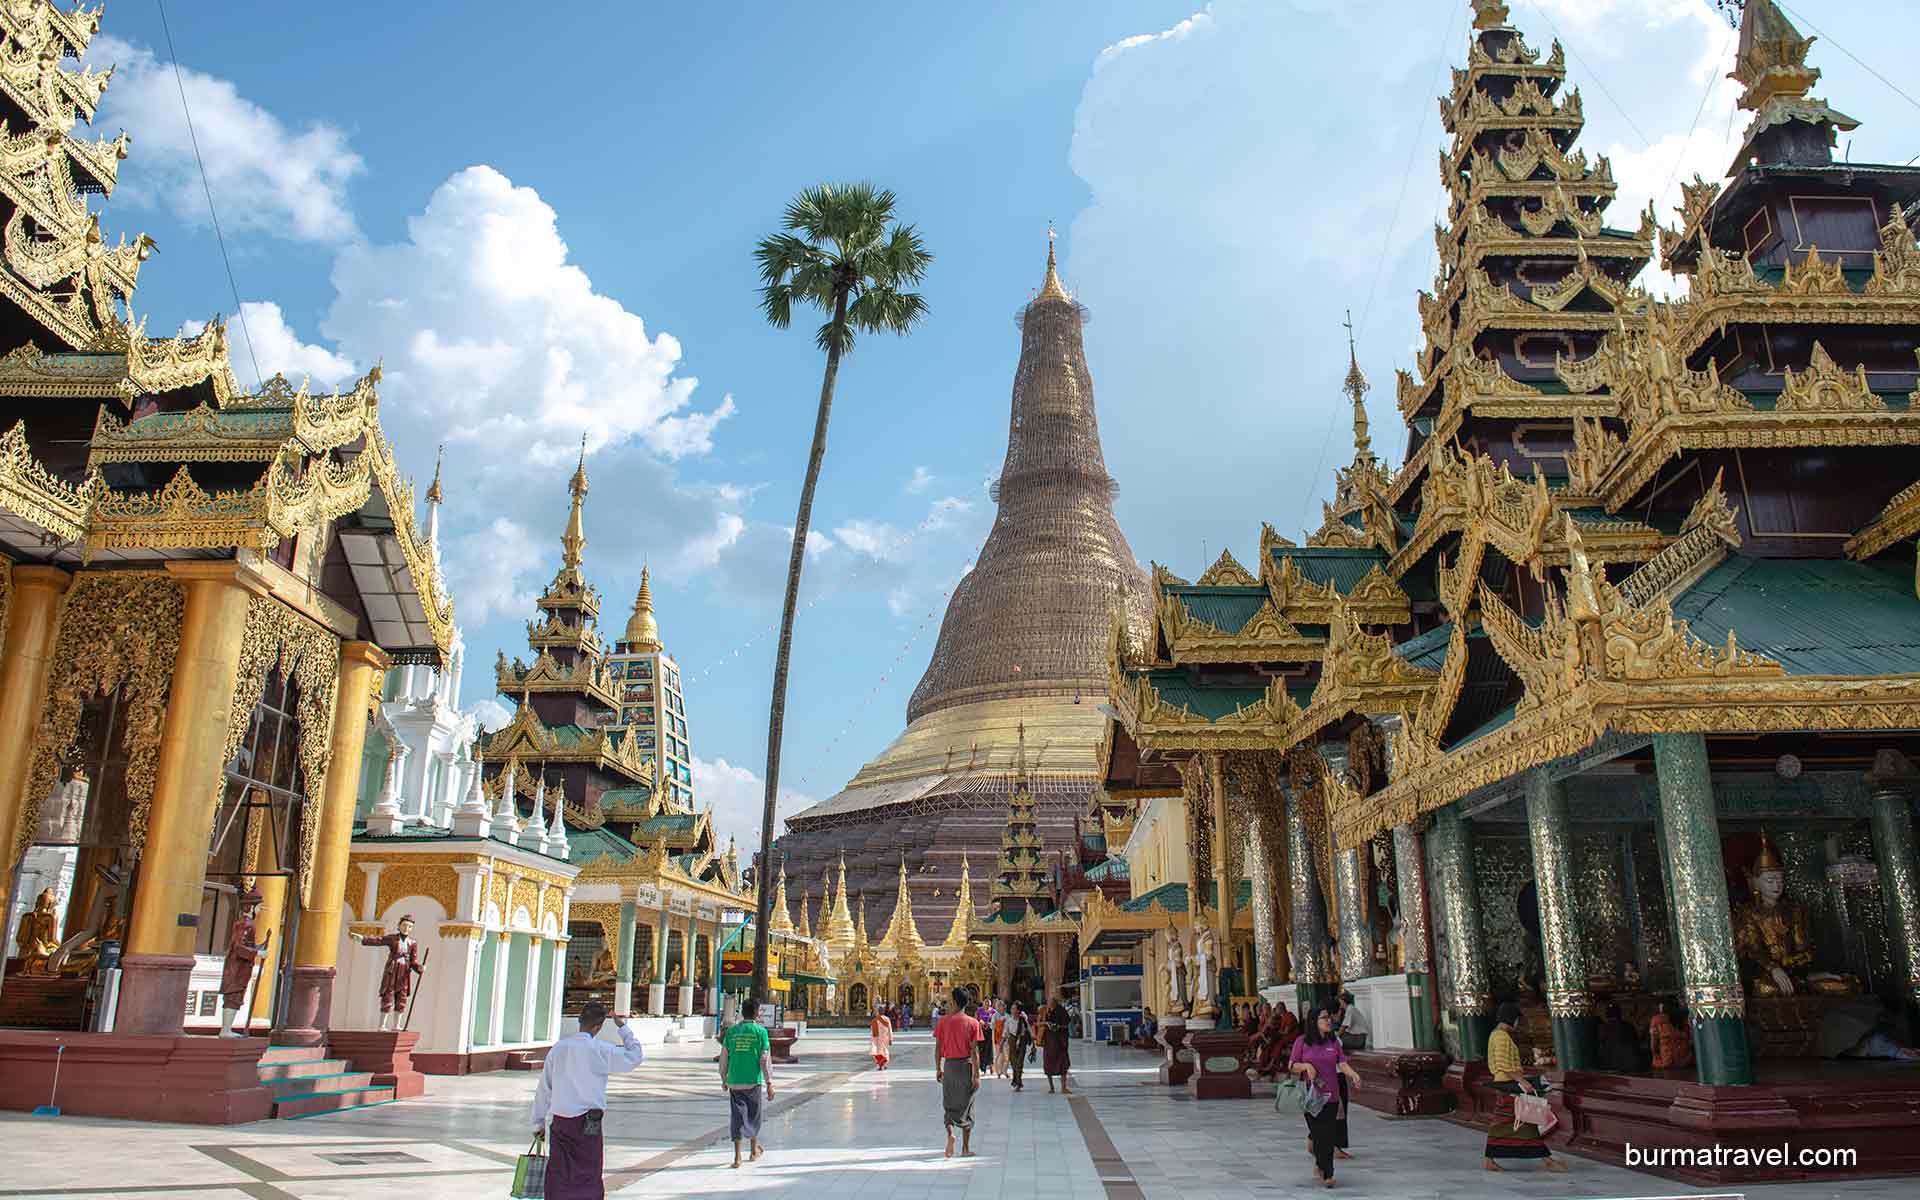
1176, 969
1203, 969
396, 978
237, 972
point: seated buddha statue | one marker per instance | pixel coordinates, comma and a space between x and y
38, 936
1773, 936
603, 971
85, 956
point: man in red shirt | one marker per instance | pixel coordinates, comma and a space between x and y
957, 1070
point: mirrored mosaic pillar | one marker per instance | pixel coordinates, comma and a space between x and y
1409, 864
623, 956
1890, 785
1350, 894
1575, 1033
1698, 901
1266, 934
1472, 998
1312, 961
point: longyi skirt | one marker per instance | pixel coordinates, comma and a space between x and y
957, 1092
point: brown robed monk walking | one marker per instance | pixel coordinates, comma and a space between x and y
396, 978
237, 972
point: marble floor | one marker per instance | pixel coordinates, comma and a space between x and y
837, 1129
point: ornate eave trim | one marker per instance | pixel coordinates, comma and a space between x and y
34, 494
1898, 521
200, 434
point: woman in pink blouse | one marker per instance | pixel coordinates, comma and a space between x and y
1319, 1058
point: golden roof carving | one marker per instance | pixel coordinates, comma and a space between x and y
903, 935
31, 492
1226, 571
960, 932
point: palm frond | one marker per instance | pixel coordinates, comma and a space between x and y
831, 334
776, 300
885, 310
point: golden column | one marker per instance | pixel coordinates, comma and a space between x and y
274, 890
1222, 886
186, 793
310, 1004
33, 613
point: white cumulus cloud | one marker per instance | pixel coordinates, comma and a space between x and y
265, 176
738, 797
922, 480
494, 569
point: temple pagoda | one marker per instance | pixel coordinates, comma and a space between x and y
1021, 644
1615, 699
654, 885
201, 584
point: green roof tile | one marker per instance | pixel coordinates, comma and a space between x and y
1816, 616
1178, 690
1338, 565
1227, 609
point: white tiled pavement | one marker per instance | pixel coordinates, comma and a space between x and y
838, 1130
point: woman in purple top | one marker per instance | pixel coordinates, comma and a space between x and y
1319, 1058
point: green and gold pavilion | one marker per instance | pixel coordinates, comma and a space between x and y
1617, 702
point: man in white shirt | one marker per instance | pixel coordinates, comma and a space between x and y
573, 1094
1353, 1023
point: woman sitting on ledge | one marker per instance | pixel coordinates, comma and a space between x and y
1147, 1036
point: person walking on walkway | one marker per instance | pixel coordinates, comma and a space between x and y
1508, 1136
957, 1070
1000, 1064
572, 1094
746, 1070
1055, 1025
1019, 1043
984, 1014
1319, 1058
880, 1039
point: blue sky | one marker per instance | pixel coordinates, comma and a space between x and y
540, 221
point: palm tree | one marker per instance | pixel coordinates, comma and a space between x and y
839, 251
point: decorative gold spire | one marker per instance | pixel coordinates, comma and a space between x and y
433, 489
963, 910
1772, 57
902, 933
1356, 386
806, 923
574, 540
836, 921
860, 922
1489, 14
643, 631
1050, 287
780, 921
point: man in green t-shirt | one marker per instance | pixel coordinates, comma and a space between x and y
746, 1067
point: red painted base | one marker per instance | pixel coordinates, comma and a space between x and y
386, 1055
1177, 1067
1406, 1083
781, 1044
1868, 1108
478, 1062
200, 1080
1220, 1061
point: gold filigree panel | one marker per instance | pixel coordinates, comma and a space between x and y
117, 630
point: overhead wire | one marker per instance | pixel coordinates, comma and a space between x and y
1379, 267
213, 212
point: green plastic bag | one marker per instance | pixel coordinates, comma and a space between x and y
530, 1173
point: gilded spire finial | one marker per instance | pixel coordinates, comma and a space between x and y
643, 630
433, 489
1357, 387
1489, 14
574, 540
1051, 288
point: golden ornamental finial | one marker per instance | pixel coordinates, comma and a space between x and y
1357, 387
433, 489
1489, 14
574, 540
643, 630
1050, 287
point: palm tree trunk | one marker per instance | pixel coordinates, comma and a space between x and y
777, 715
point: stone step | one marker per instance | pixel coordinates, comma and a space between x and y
526, 1060
303, 1069
276, 1055
335, 1081
313, 1104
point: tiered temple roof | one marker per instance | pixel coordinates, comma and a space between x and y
1618, 514
124, 450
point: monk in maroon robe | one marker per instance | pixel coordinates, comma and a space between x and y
237, 972
1275, 1041
396, 978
